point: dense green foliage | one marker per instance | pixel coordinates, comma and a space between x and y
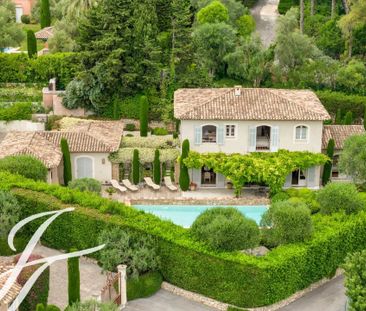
269, 168
225, 228
16, 111
339, 197
41, 307
215, 12
9, 213
45, 14
122, 248
289, 222
31, 44
355, 281
20, 94
157, 167
86, 184
10, 33
144, 114
235, 278
328, 166
144, 286
24, 165
183, 173
67, 161
73, 274
304, 195
135, 167
352, 160
93, 304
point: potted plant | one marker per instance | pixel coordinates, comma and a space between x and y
110, 191
229, 185
193, 186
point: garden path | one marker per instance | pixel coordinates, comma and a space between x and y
265, 14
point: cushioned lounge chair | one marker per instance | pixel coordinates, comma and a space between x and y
151, 184
169, 184
129, 185
116, 185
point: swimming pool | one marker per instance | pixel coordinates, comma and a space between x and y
184, 215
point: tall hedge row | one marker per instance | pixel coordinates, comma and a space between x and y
234, 277
19, 68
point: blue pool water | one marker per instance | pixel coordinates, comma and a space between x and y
184, 215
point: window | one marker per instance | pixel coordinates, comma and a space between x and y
209, 134
230, 130
84, 167
301, 132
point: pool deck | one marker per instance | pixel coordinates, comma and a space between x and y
203, 196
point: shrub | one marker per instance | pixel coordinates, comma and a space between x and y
20, 94
355, 281
24, 165
155, 142
73, 272
135, 167
20, 242
136, 251
86, 184
348, 118
45, 14
285, 5
144, 111
17, 111
280, 196
290, 222
41, 307
160, 131
328, 166
339, 197
157, 167
67, 161
215, 12
144, 286
226, 229
130, 127
9, 213
31, 44
184, 176
306, 196
25, 19
89, 305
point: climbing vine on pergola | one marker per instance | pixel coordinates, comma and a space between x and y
270, 168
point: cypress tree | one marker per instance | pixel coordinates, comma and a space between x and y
73, 272
364, 120
67, 161
135, 167
338, 119
45, 14
184, 176
348, 119
144, 111
31, 44
328, 166
157, 168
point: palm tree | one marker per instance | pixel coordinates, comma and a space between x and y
76, 8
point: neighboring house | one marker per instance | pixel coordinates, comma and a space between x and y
90, 145
243, 120
23, 7
339, 133
14, 289
44, 34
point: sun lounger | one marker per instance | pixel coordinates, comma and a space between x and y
169, 183
151, 184
116, 185
129, 186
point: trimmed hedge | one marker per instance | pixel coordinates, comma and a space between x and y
19, 68
17, 111
235, 278
20, 94
144, 286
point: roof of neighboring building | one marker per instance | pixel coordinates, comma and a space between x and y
14, 289
96, 136
44, 33
251, 104
340, 133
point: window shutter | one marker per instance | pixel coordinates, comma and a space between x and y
311, 176
220, 135
197, 135
274, 138
252, 138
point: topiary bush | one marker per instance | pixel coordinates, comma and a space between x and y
289, 222
327, 171
226, 229
157, 168
31, 44
306, 196
24, 165
339, 197
184, 176
67, 161
45, 14
135, 167
73, 285
86, 184
143, 286
280, 196
25, 19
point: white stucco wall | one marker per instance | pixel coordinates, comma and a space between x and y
240, 143
102, 167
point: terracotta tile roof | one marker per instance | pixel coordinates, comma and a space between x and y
31, 143
96, 136
340, 133
251, 104
44, 33
14, 290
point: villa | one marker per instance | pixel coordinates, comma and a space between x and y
243, 120
23, 7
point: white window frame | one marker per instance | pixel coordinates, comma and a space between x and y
302, 140
235, 130
217, 133
76, 164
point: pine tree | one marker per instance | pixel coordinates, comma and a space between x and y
184, 176
136, 167
73, 271
348, 118
31, 44
144, 111
45, 14
328, 166
67, 161
157, 167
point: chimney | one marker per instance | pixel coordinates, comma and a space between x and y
237, 90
